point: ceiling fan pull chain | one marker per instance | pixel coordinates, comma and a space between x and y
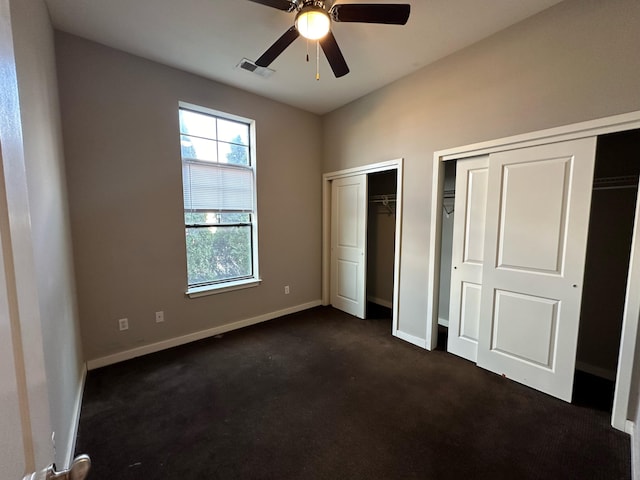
307, 50
318, 60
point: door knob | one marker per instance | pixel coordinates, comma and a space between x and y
78, 471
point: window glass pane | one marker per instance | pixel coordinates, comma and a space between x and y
218, 253
198, 148
233, 154
198, 124
209, 218
233, 132
195, 218
233, 217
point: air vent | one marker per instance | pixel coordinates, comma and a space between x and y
251, 67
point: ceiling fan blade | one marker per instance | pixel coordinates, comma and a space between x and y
285, 5
388, 13
278, 47
334, 55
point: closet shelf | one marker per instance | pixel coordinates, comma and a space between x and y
383, 199
386, 201
609, 183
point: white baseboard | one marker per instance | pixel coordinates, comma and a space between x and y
443, 321
192, 337
379, 301
75, 420
595, 370
420, 342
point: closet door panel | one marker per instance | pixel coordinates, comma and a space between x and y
538, 207
531, 226
469, 311
467, 256
348, 244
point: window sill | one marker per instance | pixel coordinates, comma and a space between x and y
222, 288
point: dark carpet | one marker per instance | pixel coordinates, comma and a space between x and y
323, 395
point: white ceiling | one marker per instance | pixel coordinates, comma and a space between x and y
210, 37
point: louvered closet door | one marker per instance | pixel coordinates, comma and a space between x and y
348, 244
467, 256
534, 252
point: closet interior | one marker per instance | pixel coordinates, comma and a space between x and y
381, 230
448, 215
613, 203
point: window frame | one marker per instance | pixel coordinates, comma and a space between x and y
212, 288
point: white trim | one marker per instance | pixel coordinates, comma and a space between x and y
75, 420
365, 169
398, 244
326, 241
192, 337
595, 370
222, 287
443, 321
379, 301
327, 178
615, 123
630, 428
433, 258
407, 337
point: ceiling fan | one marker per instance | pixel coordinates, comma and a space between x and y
313, 21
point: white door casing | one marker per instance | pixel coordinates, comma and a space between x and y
348, 244
467, 256
538, 207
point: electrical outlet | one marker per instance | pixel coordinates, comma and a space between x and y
159, 317
286, 289
123, 324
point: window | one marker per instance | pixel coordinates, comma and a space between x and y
219, 185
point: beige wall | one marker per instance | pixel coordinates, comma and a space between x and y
50, 229
37, 262
120, 126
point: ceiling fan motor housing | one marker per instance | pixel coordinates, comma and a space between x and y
312, 20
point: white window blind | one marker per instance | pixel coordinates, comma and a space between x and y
217, 187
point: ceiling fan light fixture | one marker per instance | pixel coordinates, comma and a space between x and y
312, 22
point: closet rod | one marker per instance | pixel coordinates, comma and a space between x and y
384, 199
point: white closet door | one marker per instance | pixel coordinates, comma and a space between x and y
467, 255
348, 244
536, 235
